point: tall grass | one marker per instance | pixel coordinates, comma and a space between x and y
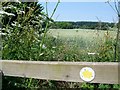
86, 45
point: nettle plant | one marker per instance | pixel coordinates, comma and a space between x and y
24, 28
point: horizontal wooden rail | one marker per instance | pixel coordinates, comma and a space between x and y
105, 72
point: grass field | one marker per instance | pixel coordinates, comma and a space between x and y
80, 33
80, 36
83, 41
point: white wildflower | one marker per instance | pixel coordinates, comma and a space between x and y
2, 33
19, 25
53, 47
3, 29
7, 7
20, 12
43, 46
36, 17
41, 21
2, 12
93, 53
38, 40
42, 35
40, 15
17, 1
15, 24
28, 7
41, 54
9, 14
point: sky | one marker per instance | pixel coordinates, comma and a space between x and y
82, 11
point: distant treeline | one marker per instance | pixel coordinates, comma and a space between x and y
82, 25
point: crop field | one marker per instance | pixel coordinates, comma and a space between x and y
82, 37
81, 33
86, 44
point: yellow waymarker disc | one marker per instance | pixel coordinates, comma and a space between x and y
87, 74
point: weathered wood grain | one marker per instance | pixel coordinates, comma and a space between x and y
106, 72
